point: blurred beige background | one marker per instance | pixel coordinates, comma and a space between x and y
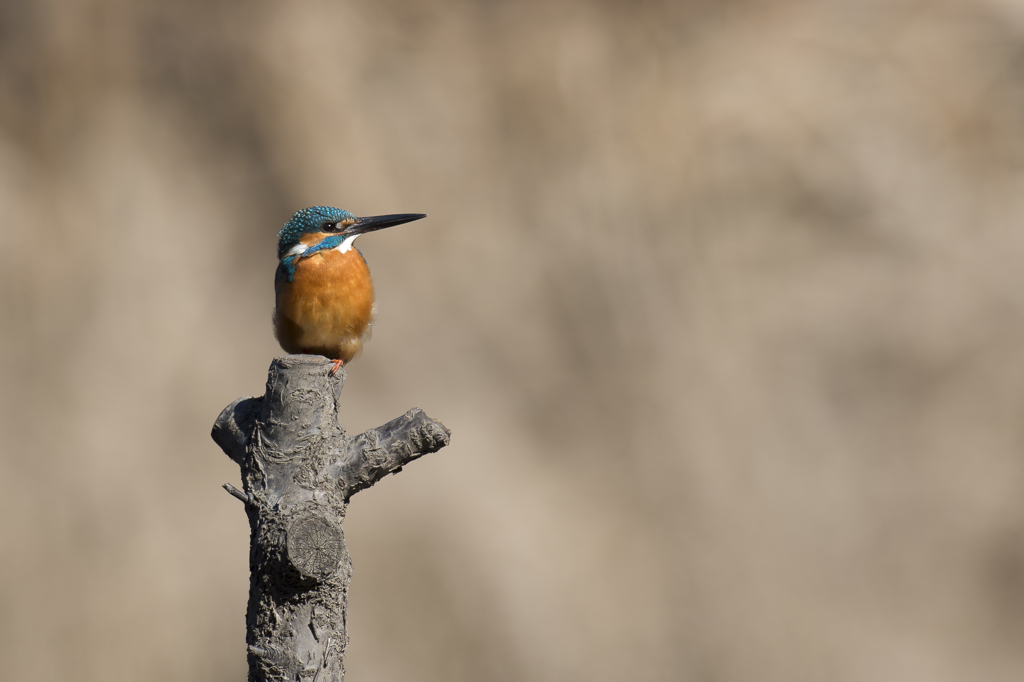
724, 302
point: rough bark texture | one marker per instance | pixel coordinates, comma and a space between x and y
299, 470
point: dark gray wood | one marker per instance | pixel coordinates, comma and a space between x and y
299, 471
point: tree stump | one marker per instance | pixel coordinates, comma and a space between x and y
299, 470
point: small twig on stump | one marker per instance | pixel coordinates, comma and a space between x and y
299, 470
235, 492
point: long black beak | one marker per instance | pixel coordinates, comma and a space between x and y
379, 222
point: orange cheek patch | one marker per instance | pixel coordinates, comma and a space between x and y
313, 238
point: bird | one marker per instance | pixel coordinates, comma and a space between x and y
324, 301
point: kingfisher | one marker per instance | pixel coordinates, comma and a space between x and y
324, 294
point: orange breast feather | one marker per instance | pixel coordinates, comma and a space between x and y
327, 308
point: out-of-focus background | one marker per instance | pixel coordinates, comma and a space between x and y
723, 301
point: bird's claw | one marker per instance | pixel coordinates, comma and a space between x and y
337, 365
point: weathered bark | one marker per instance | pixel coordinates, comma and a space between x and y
299, 470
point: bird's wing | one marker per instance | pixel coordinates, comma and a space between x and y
285, 271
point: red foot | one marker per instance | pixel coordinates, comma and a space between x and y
337, 365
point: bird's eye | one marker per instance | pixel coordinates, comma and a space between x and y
330, 227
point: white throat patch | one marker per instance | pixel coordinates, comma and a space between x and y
346, 245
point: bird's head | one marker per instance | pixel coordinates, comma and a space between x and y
312, 225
